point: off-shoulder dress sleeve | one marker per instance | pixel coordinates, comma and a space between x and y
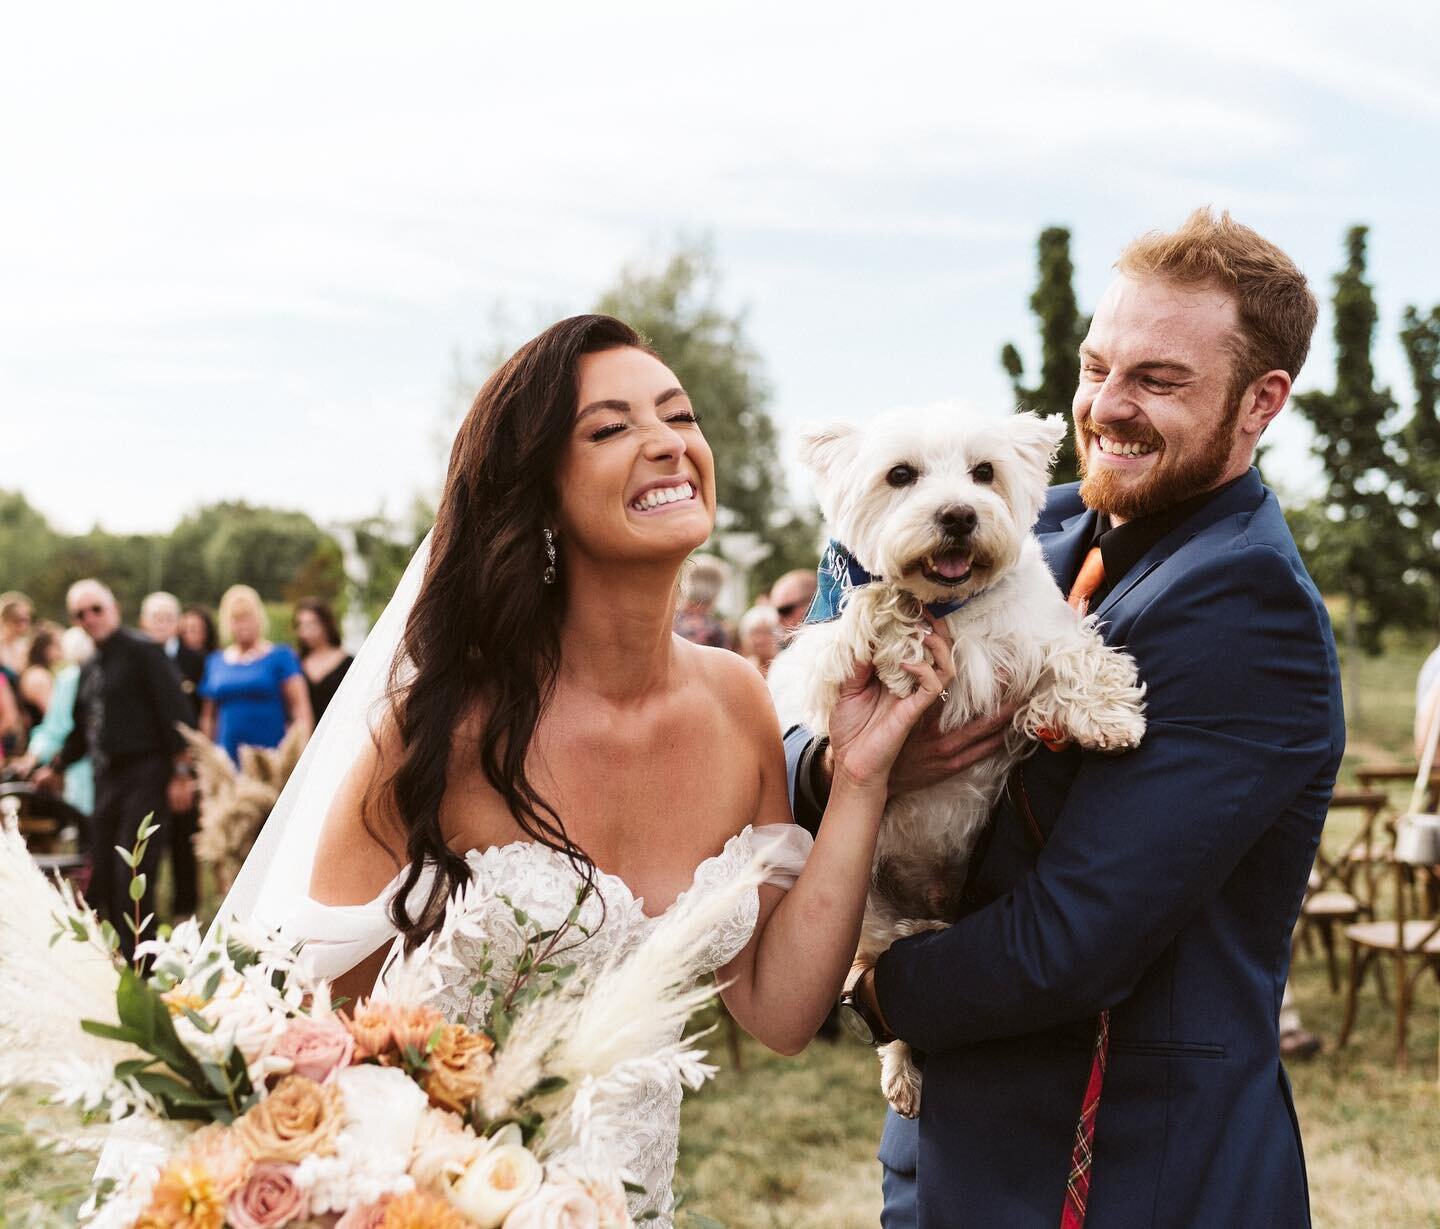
338, 937
782, 849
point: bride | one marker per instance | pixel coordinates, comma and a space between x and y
538, 722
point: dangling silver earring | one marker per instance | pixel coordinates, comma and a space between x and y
549, 575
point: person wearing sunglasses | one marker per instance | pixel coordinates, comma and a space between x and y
791, 596
128, 708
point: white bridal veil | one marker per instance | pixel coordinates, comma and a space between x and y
277, 873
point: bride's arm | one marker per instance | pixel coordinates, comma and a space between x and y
782, 985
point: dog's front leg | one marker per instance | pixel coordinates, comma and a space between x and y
899, 1076
889, 621
1091, 694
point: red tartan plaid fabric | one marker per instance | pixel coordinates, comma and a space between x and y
1077, 1188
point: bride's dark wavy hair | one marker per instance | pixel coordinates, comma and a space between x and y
485, 629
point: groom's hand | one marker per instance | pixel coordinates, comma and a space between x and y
929, 756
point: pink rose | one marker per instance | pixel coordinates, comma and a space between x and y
269, 1199
371, 1216
318, 1046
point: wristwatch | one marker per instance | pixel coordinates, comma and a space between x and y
855, 1015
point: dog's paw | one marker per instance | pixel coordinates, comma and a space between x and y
900, 1079
1122, 734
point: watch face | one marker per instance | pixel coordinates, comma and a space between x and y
856, 1024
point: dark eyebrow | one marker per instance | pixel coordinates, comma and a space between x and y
622, 407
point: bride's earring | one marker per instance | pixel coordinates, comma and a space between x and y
549, 574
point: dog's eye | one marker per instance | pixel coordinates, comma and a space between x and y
902, 475
984, 472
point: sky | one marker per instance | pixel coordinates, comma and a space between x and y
240, 250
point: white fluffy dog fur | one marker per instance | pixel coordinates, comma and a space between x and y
940, 511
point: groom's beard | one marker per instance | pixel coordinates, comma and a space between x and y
1169, 483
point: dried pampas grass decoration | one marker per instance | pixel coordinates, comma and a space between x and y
235, 803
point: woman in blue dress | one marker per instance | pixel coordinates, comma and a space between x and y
253, 691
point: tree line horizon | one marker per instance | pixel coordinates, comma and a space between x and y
1369, 540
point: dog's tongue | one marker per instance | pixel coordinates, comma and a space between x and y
952, 566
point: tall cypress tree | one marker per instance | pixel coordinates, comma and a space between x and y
1062, 329
1366, 550
1420, 337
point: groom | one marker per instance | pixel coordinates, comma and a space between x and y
1136, 939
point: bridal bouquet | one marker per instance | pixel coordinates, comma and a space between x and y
229, 1090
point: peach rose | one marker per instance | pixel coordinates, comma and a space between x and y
316, 1046
269, 1199
459, 1062
370, 1026
298, 1118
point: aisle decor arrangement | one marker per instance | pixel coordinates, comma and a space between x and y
225, 1088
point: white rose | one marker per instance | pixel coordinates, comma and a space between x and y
382, 1109
494, 1183
556, 1205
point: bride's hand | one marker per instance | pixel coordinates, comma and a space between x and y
870, 723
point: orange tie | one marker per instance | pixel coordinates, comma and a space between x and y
1089, 579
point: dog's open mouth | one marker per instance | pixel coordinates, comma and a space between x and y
948, 568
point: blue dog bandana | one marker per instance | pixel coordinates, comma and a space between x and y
840, 574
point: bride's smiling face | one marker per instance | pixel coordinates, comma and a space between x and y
637, 481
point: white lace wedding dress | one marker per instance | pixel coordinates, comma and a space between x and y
543, 883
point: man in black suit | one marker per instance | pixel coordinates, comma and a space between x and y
160, 620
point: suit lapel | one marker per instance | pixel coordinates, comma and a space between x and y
1066, 547
1245, 496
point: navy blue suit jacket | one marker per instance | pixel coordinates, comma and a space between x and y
1167, 889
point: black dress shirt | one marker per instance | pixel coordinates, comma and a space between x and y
1123, 546
127, 704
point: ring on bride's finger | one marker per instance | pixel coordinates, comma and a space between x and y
944, 696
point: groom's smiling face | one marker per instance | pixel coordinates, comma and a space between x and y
1156, 411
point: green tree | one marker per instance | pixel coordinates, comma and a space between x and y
1062, 329
1420, 337
1363, 543
235, 542
674, 304
675, 307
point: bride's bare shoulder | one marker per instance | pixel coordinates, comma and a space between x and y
362, 845
734, 683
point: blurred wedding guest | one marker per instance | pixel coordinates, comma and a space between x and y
700, 585
46, 739
253, 691
321, 656
160, 620
197, 630
791, 596
127, 709
760, 636
17, 612
12, 725
37, 680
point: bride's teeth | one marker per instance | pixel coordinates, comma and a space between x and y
666, 495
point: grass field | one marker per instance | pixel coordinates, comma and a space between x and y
789, 1143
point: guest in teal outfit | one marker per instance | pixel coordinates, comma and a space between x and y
49, 736
253, 691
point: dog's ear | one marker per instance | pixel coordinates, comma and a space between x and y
1037, 439
827, 450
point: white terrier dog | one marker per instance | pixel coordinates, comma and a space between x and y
941, 513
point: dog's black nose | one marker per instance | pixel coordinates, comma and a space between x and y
958, 519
